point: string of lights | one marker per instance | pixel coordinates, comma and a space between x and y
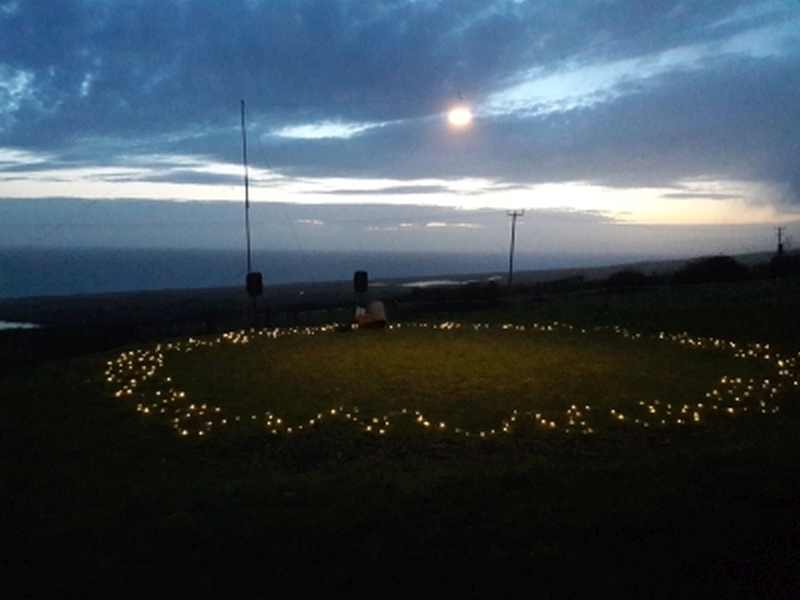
141, 375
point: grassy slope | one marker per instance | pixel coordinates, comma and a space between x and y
94, 500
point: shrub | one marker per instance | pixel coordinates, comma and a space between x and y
712, 269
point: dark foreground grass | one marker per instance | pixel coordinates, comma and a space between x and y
100, 499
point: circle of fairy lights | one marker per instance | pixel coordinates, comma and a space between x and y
139, 374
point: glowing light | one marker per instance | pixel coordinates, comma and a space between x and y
139, 374
459, 116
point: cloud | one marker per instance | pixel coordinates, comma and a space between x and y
153, 63
445, 225
698, 195
392, 190
324, 129
345, 100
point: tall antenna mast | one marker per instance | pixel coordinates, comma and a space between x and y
246, 192
254, 282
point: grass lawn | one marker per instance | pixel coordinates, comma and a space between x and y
109, 486
469, 380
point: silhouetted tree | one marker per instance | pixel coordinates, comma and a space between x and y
712, 269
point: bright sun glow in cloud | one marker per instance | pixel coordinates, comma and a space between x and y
460, 116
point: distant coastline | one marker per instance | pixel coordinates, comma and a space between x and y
34, 273
102, 306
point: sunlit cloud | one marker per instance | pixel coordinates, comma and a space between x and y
582, 84
325, 129
383, 228
16, 88
712, 201
779, 9
13, 159
445, 225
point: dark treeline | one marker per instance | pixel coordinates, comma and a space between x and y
710, 269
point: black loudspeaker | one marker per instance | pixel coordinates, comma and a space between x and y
360, 282
254, 284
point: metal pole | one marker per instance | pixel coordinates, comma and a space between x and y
253, 303
513, 214
246, 191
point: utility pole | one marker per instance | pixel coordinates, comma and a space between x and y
514, 214
779, 231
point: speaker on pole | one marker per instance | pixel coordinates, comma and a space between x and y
254, 284
360, 282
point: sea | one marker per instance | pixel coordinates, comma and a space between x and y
26, 272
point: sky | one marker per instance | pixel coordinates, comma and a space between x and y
619, 127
